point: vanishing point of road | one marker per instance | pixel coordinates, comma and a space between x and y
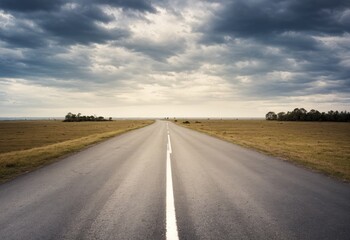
168, 182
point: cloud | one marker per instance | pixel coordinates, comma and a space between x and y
282, 37
80, 25
38, 23
257, 19
75, 24
30, 6
140, 5
194, 54
51, 5
158, 36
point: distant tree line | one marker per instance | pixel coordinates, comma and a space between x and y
300, 114
71, 117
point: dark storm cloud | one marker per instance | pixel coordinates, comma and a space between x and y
50, 5
22, 35
80, 25
30, 6
65, 21
35, 28
75, 25
274, 31
141, 5
43, 63
257, 19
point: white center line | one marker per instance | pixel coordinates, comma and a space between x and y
171, 226
169, 147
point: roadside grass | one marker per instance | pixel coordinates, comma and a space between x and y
321, 146
27, 145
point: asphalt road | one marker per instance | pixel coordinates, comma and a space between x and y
121, 189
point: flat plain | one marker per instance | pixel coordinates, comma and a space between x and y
119, 189
321, 146
26, 145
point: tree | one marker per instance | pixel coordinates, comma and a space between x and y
71, 117
300, 114
68, 117
271, 116
281, 116
313, 115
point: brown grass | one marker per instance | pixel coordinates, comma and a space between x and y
27, 145
322, 146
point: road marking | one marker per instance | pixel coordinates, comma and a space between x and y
169, 146
171, 226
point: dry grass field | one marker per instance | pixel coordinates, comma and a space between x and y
321, 146
26, 145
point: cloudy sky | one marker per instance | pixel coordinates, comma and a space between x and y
139, 58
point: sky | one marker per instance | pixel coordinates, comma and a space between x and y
173, 58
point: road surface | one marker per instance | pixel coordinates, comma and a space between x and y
167, 182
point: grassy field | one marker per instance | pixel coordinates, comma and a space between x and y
322, 146
27, 145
